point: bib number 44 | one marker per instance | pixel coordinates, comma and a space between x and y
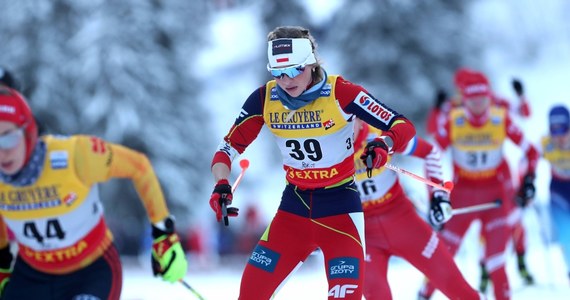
52, 230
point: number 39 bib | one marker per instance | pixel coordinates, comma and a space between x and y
315, 141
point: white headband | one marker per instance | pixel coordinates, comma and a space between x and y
288, 52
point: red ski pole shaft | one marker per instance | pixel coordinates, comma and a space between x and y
244, 164
447, 186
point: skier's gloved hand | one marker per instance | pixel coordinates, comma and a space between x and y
526, 191
440, 208
518, 87
222, 194
440, 98
5, 267
375, 155
168, 257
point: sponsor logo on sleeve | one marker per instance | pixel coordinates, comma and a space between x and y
264, 258
243, 115
227, 149
98, 145
374, 108
343, 267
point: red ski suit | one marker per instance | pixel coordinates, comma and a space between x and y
320, 206
482, 175
392, 226
436, 119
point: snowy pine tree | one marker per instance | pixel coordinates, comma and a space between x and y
402, 51
122, 70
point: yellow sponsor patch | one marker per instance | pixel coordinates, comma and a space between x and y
312, 174
59, 255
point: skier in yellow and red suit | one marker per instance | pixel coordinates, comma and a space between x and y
476, 134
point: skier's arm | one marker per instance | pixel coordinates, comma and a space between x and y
531, 153
98, 161
524, 106
355, 100
442, 136
244, 131
421, 148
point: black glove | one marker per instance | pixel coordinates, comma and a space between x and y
440, 208
518, 87
220, 199
527, 191
375, 155
7, 79
440, 98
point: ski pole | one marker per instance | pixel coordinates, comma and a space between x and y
187, 286
478, 207
447, 186
244, 164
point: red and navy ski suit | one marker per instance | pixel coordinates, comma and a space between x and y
320, 206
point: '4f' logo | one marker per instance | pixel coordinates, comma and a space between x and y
340, 291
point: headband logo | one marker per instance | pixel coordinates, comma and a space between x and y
282, 47
476, 89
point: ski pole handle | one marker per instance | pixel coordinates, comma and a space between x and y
447, 186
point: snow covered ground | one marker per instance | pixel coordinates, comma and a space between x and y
309, 282
221, 282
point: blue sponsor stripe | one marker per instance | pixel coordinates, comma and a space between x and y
343, 267
264, 258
